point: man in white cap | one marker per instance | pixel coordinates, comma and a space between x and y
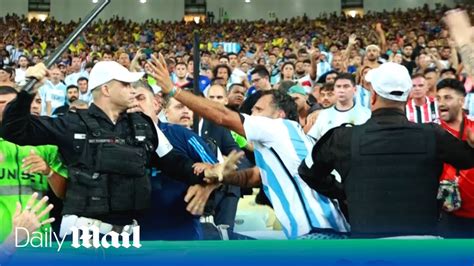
108, 150
389, 166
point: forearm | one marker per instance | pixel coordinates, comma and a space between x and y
7, 249
313, 70
467, 57
382, 42
58, 184
247, 178
212, 111
454, 60
48, 108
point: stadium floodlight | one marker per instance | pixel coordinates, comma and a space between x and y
143, 1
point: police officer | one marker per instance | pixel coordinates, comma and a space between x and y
106, 149
389, 166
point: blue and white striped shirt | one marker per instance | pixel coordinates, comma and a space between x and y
362, 96
280, 146
469, 104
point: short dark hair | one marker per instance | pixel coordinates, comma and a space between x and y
429, 70
72, 86
181, 63
4, 90
283, 102
285, 85
327, 87
82, 78
452, 84
234, 85
417, 75
261, 71
446, 70
347, 76
143, 84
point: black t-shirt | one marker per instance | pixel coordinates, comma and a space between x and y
410, 65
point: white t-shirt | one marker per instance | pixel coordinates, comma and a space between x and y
56, 94
72, 78
280, 146
331, 118
20, 76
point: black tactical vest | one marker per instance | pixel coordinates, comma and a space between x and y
392, 185
111, 173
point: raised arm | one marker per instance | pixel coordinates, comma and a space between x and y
460, 30
210, 110
20, 127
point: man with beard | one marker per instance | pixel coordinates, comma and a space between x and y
298, 94
372, 53
450, 96
72, 94
445, 56
181, 74
300, 71
407, 60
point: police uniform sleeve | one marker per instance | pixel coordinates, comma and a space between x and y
173, 163
453, 151
179, 167
316, 169
20, 127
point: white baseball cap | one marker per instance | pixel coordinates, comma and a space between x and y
390, 81
105, 71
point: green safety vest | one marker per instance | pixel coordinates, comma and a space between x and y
16, 185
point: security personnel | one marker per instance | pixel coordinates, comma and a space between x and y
389, 166
106, 149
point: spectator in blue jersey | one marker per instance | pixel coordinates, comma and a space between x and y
176, 207
280, 146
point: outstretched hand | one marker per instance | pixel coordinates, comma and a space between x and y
30, 217
160, 73
459, 26
218, 171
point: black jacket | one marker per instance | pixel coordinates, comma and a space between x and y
333, 152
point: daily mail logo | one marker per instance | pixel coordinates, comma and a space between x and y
84, 236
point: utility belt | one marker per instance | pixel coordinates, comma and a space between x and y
69, 221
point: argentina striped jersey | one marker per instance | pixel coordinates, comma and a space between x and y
280, 146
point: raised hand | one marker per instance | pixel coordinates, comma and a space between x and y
459, 26
159, 71
218, 171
